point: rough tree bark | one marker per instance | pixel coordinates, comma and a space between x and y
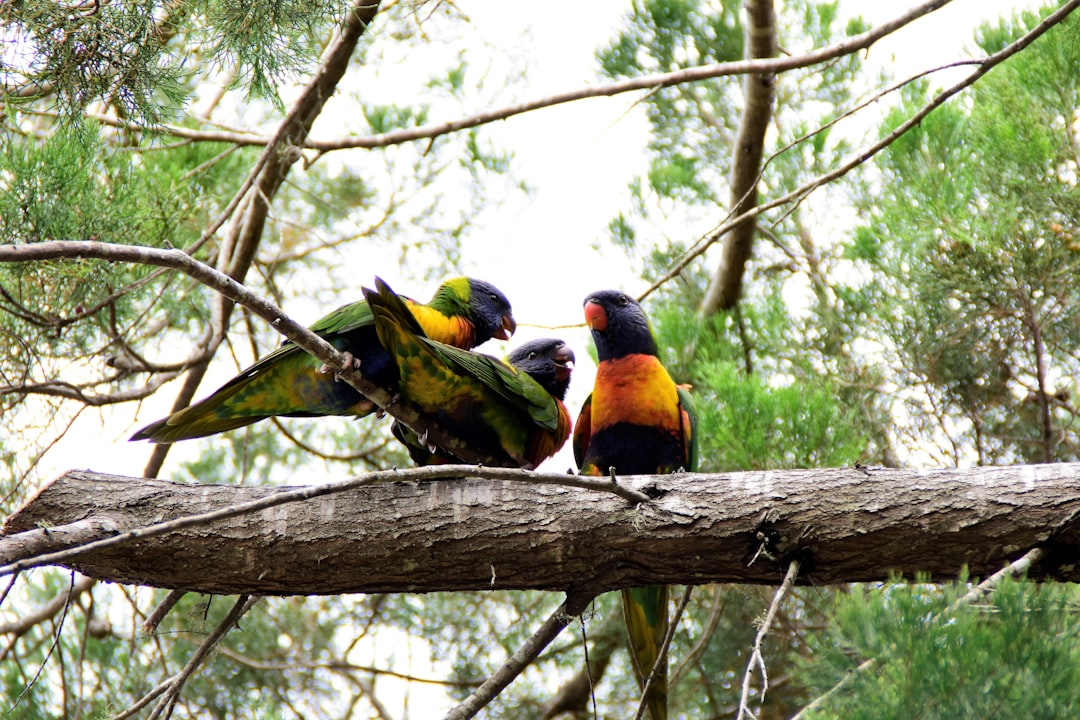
759, 91
845, 525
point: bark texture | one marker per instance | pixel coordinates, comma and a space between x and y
845, 525
759, 91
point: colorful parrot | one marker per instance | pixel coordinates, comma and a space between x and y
290, 382
639, 422
512, 413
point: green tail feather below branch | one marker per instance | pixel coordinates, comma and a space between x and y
646, 613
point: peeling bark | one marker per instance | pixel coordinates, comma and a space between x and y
844, 525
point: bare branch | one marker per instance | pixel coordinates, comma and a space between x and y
756, 659
172, 691
797, 195
48, 610
150, 624
650, 83
571, 608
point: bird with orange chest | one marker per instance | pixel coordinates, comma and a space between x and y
637, 421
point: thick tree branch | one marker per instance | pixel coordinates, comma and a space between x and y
13, 549
844, 525
801, 192
759, 91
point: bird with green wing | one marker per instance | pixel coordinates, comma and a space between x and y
289, 382
513, 413
637, 421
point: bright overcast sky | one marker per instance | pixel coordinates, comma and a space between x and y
579, 158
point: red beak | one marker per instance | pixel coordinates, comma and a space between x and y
595, 316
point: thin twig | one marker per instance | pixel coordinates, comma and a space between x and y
165, 705
146, 699
756, 658
987, 586
52, 647
571, 608
704, 639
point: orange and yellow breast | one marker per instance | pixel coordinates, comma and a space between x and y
635, 389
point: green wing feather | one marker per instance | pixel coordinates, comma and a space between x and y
689, 426
286, 381
399, 329
476, 392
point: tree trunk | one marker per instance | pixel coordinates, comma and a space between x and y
845, 525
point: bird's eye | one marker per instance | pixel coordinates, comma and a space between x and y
623, 300
532, 355
494, 297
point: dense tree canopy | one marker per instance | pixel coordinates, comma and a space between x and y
909, 302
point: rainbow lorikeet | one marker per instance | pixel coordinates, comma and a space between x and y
513, 413
639, 422
290, 382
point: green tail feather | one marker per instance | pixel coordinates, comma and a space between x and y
646, 613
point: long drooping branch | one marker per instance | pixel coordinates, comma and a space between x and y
847, 46
843, 525
257, 191
798, 194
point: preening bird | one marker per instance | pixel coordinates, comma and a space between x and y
513, 413
290, 382
639, 422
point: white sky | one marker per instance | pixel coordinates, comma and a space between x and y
579, 158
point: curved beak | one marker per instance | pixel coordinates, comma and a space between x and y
564, 362
507, 327
595, 315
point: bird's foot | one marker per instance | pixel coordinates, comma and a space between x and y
348, 362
